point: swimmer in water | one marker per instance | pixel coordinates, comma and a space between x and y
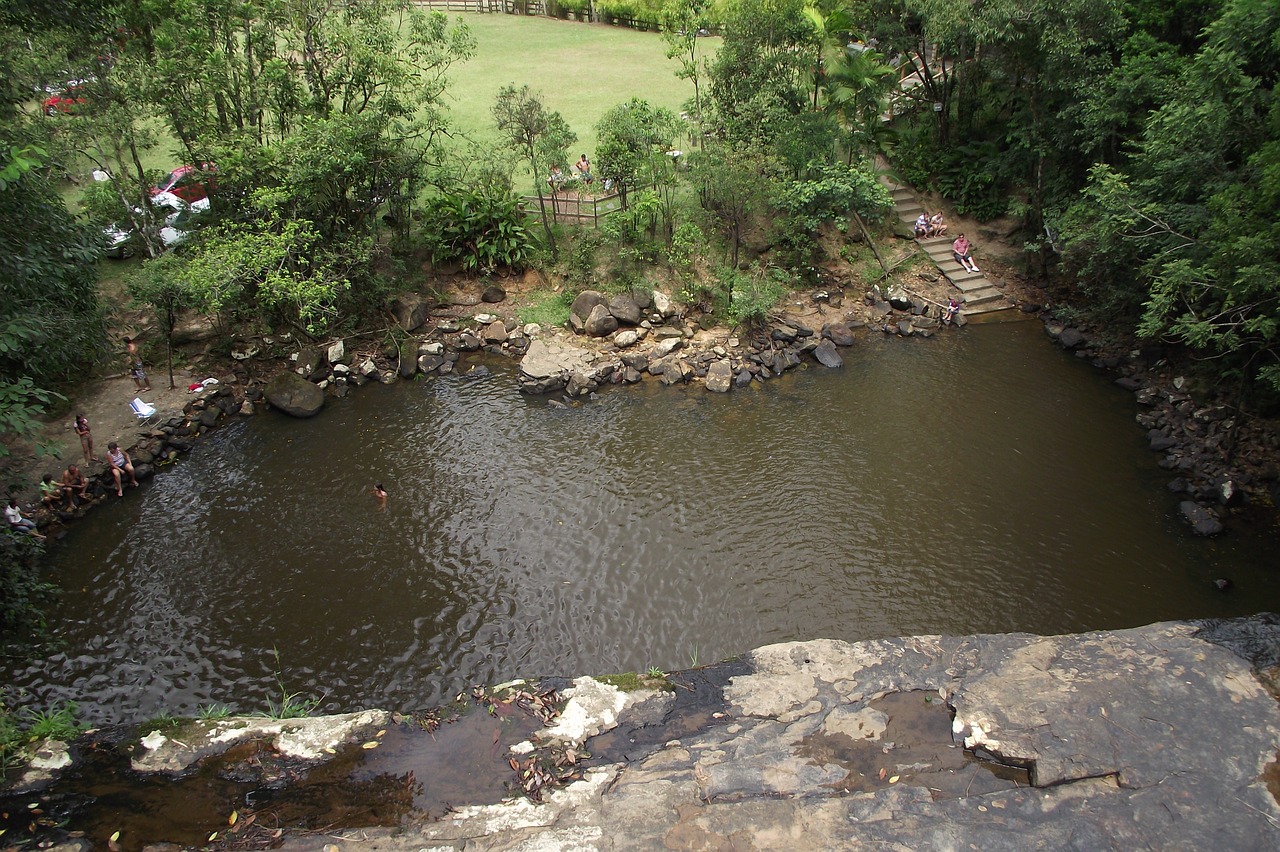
380, 494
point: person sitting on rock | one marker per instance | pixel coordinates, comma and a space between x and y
950, 311
16, 522
960, 251
74, 485
922, 226
118, 462
50, 492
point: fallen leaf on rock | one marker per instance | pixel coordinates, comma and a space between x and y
370, 744
894, 779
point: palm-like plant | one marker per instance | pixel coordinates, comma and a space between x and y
827, 41
857, 89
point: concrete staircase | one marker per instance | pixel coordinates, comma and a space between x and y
977, 294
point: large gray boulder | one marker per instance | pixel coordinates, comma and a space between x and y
600, 323
827, 355
411, 310
585, 301
294, 395
625, 309
719, 376
838, 333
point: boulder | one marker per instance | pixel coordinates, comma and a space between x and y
428, 363
209, 417
719, 376
579, 384
664, 304
826, 354
838, 333
194, 328
600, 322
1204, 521
468, 342
294, 395
337, 352
411, 311
666, 346
1070, 338
623, 339
583, 304
548, 363
625, 309
1161, 441
309, 358
495, 332
493, 294
784, 333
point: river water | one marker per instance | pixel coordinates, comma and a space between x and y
981, 481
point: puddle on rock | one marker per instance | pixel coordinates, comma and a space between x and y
411, 773
699, 696
915, 747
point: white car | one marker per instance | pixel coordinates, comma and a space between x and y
177, 225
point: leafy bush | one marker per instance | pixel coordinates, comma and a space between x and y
480, 231
750, 295
684, 245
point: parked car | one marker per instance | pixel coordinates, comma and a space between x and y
189, 183
179, 220
64, 99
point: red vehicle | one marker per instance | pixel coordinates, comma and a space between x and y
64, 99
190, 183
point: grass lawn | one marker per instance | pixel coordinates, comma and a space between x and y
581, 70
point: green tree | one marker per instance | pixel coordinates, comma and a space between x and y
538, 136
683, 21
634, 140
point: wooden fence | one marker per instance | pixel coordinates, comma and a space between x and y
549, 8
501, 7
571, 207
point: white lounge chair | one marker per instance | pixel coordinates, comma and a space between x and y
143, 410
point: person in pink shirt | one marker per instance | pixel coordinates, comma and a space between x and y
960, 251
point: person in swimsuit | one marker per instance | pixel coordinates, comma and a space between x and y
81, 427
584, 169
74, 485
118, 460
380, 494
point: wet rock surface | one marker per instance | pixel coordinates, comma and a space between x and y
1163, 736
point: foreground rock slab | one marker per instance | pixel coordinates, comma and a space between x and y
1154, 737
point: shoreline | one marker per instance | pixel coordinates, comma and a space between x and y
660, 340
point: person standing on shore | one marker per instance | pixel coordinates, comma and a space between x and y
81, 427
136, 371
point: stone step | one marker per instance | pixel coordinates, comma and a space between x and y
982, 295
902, 206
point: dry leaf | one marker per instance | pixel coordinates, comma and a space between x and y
371, 744
894, 779
235, 816
883, 773
115, 837
380, 734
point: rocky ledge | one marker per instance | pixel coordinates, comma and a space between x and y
1156, 737
1163, 736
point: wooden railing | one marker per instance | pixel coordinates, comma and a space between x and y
573, 207
501, 7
